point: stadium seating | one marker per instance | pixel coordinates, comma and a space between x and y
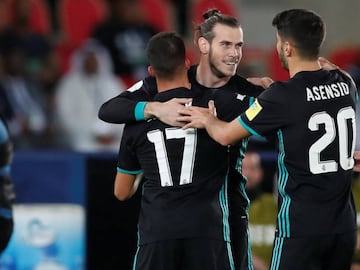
40, 21
77, 19
345, 55
159, 14
199, 7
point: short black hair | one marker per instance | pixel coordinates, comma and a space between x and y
304, 28
166, 53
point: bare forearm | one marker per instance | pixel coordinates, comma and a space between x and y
223, 132
226, 133
218, 130
166, 112
151, 110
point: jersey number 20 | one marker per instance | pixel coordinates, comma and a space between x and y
346, 160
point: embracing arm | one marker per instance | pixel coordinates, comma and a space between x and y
225, 133
132, 105
126, 107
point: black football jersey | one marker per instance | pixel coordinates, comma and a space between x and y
230, 100
313, 117
184, 195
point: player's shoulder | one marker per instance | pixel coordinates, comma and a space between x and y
346, 77
135, 130
192, 73
243, 86
147, 85
277, 88
341, 74
280, 85
144, 84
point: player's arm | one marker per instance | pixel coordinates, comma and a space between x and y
167, 112
134, 105
129, 171
128, 106
252, 86
263, 82
356, 167
327, 65
126, 185
225, 133
124, 109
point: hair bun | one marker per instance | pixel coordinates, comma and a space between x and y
210, 13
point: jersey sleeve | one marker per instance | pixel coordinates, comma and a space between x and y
243, 86
129, 106
348, 77
128, 162
266, 114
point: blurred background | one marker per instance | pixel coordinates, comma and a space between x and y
60, 60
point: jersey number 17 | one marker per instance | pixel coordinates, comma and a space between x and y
188, 158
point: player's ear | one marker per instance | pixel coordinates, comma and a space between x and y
151, 71
287, 48
203, 45
187, 63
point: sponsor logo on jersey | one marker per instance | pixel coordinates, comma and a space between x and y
253, 111
240, 97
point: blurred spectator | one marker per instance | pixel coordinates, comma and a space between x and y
7, 194
125, 34
159, 14
88, 84
182, 16
20, 36
356, 195
76, 28
20, 101
262, 214
25, 54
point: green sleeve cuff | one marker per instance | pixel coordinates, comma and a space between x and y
139, 110
128, 172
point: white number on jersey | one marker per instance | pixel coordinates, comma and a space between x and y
187, 166
346, 161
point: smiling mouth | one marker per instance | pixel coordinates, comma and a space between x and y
231, 63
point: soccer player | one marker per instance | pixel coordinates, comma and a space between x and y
7, 194
220, 41
183, 222
313, 116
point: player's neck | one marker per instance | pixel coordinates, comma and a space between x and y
299, 65
164, 85
206, 77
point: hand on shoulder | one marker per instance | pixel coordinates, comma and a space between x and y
326, 64
261, 81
